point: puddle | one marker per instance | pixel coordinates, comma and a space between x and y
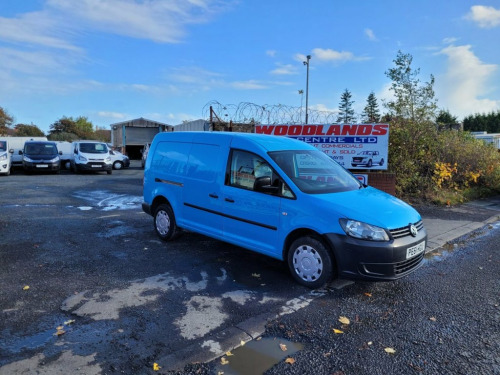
107, 201
257, 356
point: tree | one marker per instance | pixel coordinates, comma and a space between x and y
346, 113
23, 130
5, 121
67, 127
413, 100
371, 113
483, 122
445, 119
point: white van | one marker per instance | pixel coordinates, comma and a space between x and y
90, 156
5, 157
283, 198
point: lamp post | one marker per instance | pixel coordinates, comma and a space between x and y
308, 57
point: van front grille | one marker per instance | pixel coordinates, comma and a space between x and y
407, 265
405, 231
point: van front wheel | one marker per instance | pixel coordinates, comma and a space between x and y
164, 220
310, 262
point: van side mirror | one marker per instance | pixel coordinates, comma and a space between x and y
20, 152
11, 151
263, 185
60, 152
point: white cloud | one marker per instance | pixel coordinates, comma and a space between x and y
466, 82
36, 29
371, 35
157, 20
330, 55
284, 69
113, 115
248, 85
484, 16
271, 53
450, 40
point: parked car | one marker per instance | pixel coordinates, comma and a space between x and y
119, 160
283, 198
368, 159
41, 156
5, 157
145, 151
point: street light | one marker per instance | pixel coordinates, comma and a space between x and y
308, 57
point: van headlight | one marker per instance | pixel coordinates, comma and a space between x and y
3, 157
363, 231
55, 160
27, 159
82, 158
107, 160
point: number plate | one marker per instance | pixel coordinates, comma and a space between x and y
96, 166
415, 250
42, 166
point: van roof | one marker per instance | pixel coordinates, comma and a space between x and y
267, 142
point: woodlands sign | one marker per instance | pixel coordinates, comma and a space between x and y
354, 146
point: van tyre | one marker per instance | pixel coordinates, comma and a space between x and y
310, 262
164, 221
109, 172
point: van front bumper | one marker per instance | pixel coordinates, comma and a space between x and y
94, 166
376, 261
41, 166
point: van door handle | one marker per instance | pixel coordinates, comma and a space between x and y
213, 196
229, 200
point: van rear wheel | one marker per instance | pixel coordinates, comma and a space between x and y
164, 221
310, 262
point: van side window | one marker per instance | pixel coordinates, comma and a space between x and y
245, 168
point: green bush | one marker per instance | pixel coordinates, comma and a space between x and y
443, 167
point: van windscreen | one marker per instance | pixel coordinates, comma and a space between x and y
93, 148
313, 172
40, 149
3, 146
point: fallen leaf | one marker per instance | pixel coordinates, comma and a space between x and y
229, 354
290, 361
26, 287
432, 318
337, 331
59, 332
60, 328
224, 361
68, 322
283, 347
256, 274
220, 373
259, 338
344, 320
368, 294
390, 350
370, 342
156, 367
242, 342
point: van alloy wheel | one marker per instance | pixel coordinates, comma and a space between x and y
310, 262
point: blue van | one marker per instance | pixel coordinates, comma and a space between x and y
282, 198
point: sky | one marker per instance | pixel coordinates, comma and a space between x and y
166, 60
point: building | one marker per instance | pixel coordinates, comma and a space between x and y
491, 138
131, 136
